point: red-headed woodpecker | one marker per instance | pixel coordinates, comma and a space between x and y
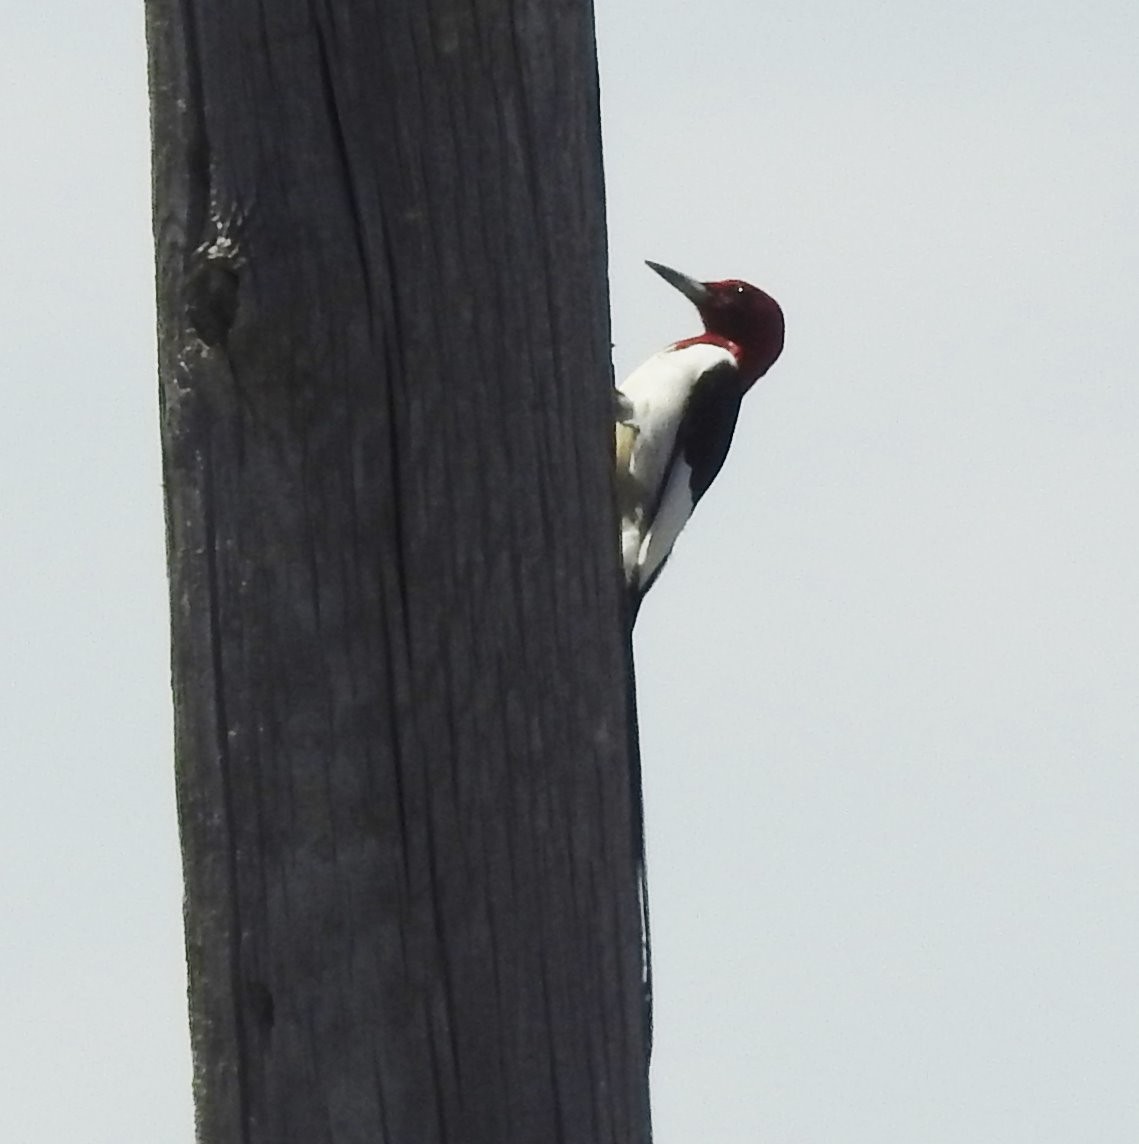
676, 414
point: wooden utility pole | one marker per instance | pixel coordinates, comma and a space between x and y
401, 670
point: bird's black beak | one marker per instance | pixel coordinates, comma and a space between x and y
696, 292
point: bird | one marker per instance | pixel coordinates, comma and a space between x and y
676, 414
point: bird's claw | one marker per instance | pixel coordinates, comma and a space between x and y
623, 409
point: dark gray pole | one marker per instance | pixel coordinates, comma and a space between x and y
401, 679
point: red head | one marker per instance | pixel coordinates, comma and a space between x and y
738, 312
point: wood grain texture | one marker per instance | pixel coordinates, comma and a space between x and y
402, 684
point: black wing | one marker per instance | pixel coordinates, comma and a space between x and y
708, 425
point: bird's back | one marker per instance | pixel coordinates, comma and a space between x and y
656, 453
659, 391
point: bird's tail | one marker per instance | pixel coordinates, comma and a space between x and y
635, 598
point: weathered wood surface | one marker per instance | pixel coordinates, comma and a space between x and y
400, 676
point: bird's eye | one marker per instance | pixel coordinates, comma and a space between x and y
739, 289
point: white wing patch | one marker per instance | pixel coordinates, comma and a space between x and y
675, 508
657, 393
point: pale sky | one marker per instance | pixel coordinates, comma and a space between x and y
888, 682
